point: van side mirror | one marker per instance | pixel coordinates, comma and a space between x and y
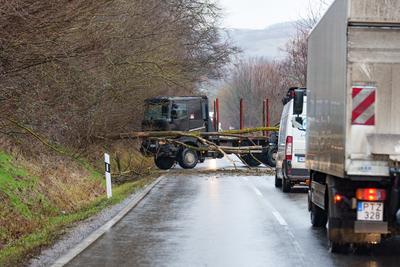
174, 114
297, 122
298, 102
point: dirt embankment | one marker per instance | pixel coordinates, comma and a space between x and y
42, 194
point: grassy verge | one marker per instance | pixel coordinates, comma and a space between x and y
32, 216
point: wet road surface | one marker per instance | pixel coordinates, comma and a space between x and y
198, 218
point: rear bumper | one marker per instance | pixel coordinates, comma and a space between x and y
362, 227
298, 174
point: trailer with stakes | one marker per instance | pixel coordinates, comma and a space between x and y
183, 130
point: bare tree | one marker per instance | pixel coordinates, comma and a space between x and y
76, 69
253, 80
295, 63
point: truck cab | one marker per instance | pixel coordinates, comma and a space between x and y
185, 113
290, 163
178, 113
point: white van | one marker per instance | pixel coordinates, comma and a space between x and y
290, 163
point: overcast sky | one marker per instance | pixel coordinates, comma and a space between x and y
258, 14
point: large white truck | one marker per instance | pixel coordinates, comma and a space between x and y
353, 122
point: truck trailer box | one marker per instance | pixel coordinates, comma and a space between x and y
353, 86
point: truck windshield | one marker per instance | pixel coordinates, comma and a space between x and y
156, 111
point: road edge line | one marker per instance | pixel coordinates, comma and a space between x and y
91, 238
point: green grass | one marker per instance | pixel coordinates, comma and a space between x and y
13, 179
24, 200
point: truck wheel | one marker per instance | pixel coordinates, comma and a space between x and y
318, 216
250, 160
188, 158
164, 163
278, 182
271, 156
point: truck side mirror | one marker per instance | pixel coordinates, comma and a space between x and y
204, 111
298, 102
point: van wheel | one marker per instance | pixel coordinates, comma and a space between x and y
188, 158
318, 216
164, 163
278, 182
286, 186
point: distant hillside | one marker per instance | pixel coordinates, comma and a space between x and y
266, 42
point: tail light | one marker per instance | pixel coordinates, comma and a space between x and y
371, 194
289, 147
338, 198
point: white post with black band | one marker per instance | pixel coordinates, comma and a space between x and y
108, 174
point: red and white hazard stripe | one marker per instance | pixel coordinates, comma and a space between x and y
363, 106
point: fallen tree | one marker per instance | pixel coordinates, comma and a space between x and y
173, 134
247, 144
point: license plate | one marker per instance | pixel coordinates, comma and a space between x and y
301, 159
370, 211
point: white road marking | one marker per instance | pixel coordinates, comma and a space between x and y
279, 218
85, 243
281, 221
258, 193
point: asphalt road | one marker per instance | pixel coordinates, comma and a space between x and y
199, 218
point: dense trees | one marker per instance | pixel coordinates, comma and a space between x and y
75, 69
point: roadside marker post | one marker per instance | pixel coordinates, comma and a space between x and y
241, 115
217, 114
108, 174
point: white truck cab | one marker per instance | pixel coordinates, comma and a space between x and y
290, 163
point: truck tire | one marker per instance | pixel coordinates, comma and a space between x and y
278, 182
250, 160
164, 163
318, 216
188, 158
271, 156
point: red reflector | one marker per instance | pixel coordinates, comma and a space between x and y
371, 194
289, 148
